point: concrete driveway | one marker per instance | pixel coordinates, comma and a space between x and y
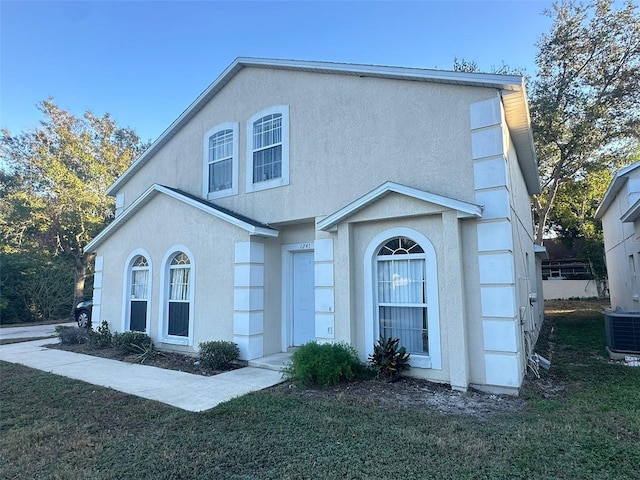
35, 331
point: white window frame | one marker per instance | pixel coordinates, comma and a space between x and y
126, 308
163, 326
372, 326
234, 127
284, 178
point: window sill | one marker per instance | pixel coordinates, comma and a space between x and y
176, 340
420, 361
221, 193
267, 184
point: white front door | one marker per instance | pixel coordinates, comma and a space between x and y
303, 298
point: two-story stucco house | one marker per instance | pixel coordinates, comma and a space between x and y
619, 212
296, 201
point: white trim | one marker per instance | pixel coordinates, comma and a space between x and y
126, 290
284, 178
235, 128
614, 187
464, 209
163, 320
287, 289
151, 193
372, 324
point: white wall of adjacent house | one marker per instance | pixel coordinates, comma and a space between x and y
565, 289
622, 247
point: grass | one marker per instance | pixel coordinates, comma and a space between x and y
53, 427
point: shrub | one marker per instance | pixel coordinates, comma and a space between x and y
218, 354
389, 359
72, 335
144, 352
102, 337
324, 364
132, 342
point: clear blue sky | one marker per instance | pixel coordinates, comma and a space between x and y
146, 61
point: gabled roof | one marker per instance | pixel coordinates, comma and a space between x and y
616, 184
464, 209
251, 226
512, 88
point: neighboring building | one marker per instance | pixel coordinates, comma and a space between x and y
298, 201
566, 275
620, 215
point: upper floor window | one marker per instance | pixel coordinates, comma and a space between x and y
220, 174
268, 149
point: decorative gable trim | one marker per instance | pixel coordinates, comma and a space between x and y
251, 226
464, 209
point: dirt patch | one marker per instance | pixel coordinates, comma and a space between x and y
410, 394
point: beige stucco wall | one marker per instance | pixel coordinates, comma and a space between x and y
158, 227
348, 135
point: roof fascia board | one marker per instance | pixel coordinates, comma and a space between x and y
488, 80
464, 209
186, 115
614, 187
632, 214
122, 218
503, 82
252, 229
152, 192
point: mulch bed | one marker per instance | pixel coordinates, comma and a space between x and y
168, 360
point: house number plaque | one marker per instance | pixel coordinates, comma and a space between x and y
306, 246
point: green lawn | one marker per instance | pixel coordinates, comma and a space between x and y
53, 427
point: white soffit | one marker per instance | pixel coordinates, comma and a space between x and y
507, 83
201, 205
616, 184
464, 209
632, 214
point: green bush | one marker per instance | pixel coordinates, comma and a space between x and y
389, 359
102, 337
324, 364
218, 354
132, 342
72, 335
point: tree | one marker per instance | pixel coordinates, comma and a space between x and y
52, 196
585, 100
573, 219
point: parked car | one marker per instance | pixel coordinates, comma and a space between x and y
83, 313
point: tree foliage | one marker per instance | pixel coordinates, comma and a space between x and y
54, 178
585, 100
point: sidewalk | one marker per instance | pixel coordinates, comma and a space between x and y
194, 393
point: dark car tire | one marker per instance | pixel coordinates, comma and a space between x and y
83, 319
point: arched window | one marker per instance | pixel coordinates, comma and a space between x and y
220, 174
179, 295
138, 294
402, 307
268, 149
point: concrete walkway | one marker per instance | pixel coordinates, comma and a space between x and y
194, 393
31, 331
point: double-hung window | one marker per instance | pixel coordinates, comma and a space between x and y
220, 174
268, 149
